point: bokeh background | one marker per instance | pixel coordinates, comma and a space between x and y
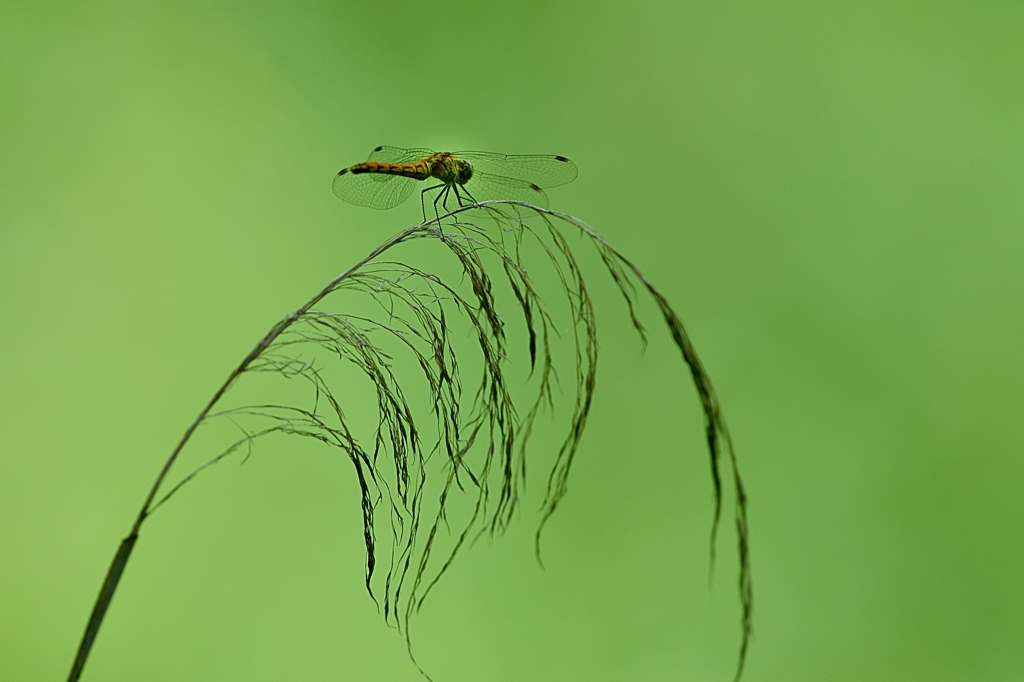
832, 196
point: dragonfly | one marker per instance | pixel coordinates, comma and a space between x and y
390, 174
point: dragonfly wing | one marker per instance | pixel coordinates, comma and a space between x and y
375, 190
485, 186
379, 190
541, 170
398, 155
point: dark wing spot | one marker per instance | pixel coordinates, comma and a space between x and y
378, 148
561, 158
343, 171
535, 188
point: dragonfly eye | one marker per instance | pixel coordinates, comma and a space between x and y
464, 171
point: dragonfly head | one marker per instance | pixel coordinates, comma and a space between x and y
463, 171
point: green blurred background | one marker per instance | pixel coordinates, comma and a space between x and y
831, 196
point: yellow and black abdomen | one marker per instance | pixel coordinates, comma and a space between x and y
417, 171
379, 184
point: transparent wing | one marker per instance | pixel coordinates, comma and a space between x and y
485, 186
398, 155
375, 190
541, 170
379, 190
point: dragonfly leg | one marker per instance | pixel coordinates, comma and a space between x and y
459, 197
423, 201
471, 197
442, 196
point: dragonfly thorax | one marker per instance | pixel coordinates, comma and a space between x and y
451, 170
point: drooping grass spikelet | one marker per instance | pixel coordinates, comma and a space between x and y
447, 457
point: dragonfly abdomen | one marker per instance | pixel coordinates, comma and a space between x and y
418, 171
